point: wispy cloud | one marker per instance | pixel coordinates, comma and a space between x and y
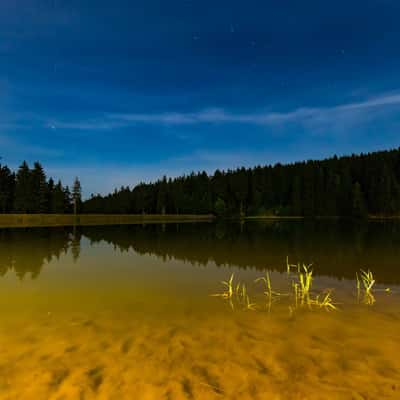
309, 116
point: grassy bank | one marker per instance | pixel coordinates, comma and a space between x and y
28, 220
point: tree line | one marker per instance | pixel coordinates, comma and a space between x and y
29, 191
355, 185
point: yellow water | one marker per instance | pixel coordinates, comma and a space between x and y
103, 321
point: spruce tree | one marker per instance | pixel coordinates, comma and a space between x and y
23, 189
76, 195
67, 200
50, 196
58, 199
7, 187
39, 189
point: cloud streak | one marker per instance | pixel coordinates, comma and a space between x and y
309, 116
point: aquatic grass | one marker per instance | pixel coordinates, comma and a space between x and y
269, 293
228, 293
229, 285
237, 290
235, 294
249, 305
244, 291
368, 282
358, 287
305, 283
326, 302
301, 293
268, 287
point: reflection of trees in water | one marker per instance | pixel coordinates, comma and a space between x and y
337, 248
76, 244
26, 250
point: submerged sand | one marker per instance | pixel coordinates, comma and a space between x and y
352, 354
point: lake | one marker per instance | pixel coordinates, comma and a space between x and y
139, 311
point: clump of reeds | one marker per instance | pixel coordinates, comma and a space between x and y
302, 287
228, 292
302, 293
368, 282
270, 294
236, 294
326, 302
305, 280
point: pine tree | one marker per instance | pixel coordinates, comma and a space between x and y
58, 199
23, 189
67, 200
39, 189
7, 187
162, 196
50, 196
76, 195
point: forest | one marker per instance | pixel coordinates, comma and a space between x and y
29, 191
356, 186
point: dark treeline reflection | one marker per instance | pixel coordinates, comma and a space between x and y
25, 250
337, 248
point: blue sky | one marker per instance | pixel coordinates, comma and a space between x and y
122, 91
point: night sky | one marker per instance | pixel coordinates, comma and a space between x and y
122, 91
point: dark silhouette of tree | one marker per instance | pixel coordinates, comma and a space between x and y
59, 199
76, 195
23, 189
7, 187
28, 191
39, 189
67, 200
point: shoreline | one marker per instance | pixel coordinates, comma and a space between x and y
49, 220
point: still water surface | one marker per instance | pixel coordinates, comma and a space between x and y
125, 312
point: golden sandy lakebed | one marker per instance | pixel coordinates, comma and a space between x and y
100, 321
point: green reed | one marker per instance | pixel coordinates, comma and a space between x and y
301, 278
228, 292
368, 282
